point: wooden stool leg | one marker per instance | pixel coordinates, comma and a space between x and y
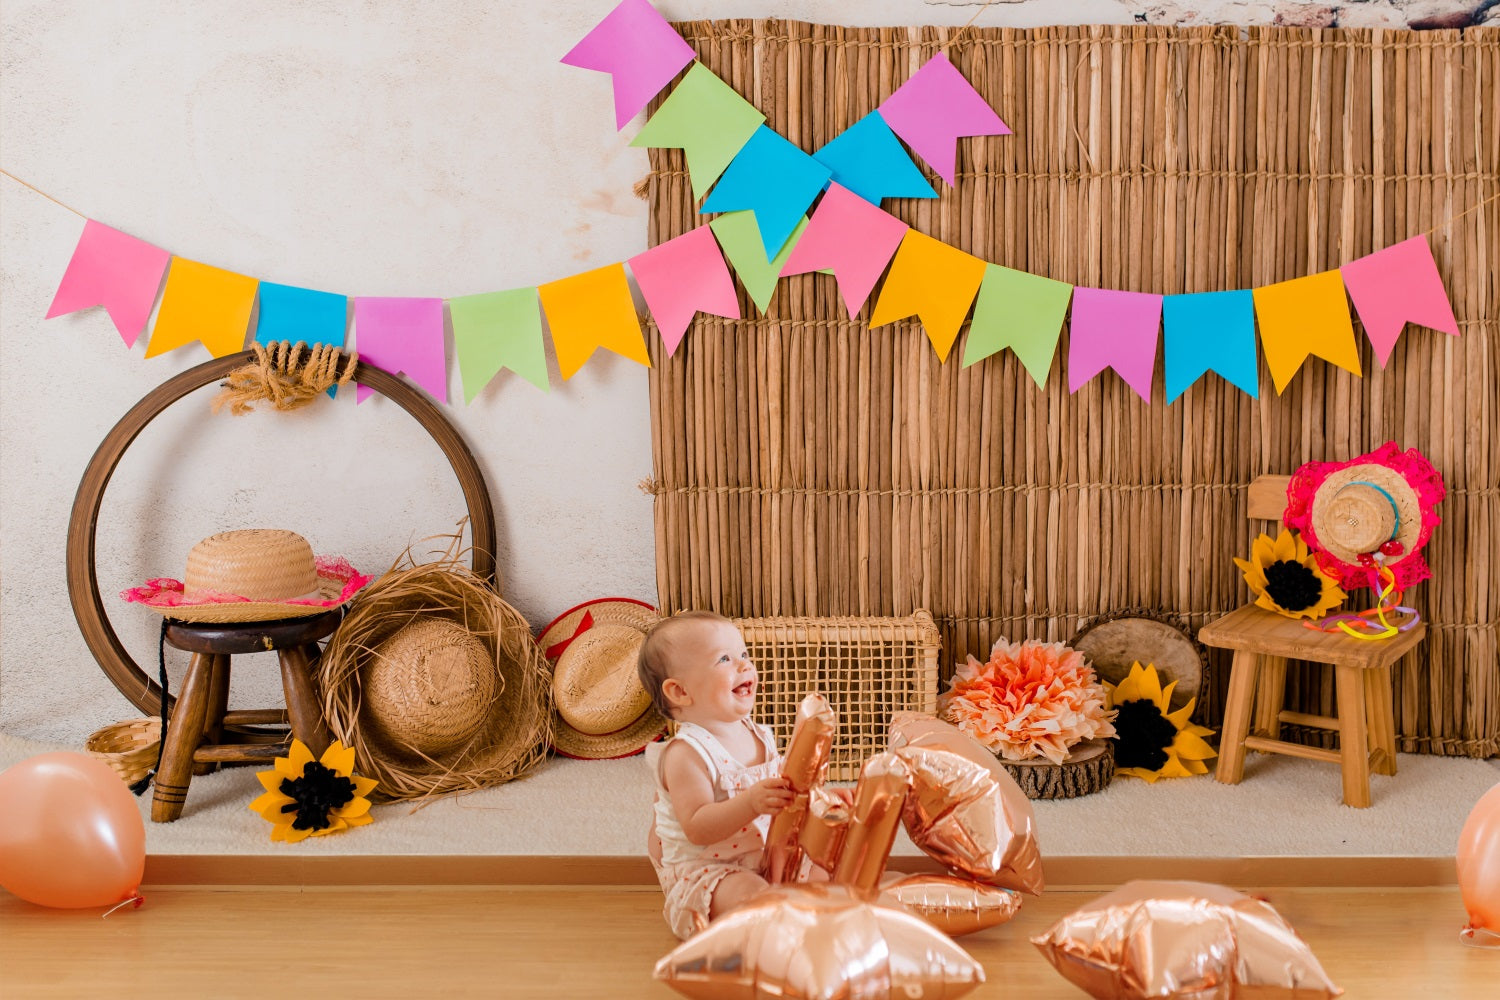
184, 730
303, 708
1381, 711
218, 704
1237, 710
1354, 747
1270, 696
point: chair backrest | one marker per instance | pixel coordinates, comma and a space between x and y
1268, 497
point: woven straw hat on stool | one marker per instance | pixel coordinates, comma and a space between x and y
257, 574
602, 710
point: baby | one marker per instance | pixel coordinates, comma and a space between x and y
718, 781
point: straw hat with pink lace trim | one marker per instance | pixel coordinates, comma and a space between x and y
253, 575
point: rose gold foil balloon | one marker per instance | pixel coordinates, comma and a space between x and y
1479, 869
964, 810
819, 942
1184, 940
805, 766
824, 827
882, 788
955, 906
70, 832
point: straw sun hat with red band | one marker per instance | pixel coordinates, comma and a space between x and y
1377, 508
602, 710
254, 575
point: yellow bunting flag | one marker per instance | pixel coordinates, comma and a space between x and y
203, 303
935, 283
1302, 318
591, 310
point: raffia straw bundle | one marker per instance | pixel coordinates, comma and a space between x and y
443, 627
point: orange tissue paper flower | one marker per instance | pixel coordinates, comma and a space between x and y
1032, 699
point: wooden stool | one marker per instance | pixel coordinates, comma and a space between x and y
196, 731
1263, 641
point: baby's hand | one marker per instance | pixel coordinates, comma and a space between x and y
769, 796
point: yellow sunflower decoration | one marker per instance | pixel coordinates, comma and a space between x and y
1286, 579
1151, 742
310, 798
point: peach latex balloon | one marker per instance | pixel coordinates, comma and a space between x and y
1479, 869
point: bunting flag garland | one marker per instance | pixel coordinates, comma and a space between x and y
203, 303
291, 313
934, 109
775, 180
1210, 332
1304, 317
708, 120
402, 336
934, 282
1396, 286
498, 330
867, 158
1021, 311
113, 270
682, 277
592, 310
853, 238
640, 51
1113, 329
739, 238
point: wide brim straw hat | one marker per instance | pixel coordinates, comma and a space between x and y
436, 683
602, 711
1376, 509
252, 575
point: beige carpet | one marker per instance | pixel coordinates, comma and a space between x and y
1285, 807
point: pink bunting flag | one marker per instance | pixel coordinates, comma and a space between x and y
638, 48
113, 270
934, 108
1396, 286
1112, 329
851, 236
682, 277
402, 336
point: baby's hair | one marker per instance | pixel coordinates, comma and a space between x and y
654, 661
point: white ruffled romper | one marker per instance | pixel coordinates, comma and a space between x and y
690, 873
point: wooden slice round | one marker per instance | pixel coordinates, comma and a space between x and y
1089, 768
1113, 642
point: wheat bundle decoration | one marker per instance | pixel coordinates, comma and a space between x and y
286, 375
436, 682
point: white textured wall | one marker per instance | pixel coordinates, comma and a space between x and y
371, 148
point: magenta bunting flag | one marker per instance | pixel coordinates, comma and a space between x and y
1396, 286
402, 336
638, 48
682, 277
1118, 330
933, 109
113, 270
853, 238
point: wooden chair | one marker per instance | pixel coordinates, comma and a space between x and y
1264, 641
200, 721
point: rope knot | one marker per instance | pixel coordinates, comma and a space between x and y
288, 375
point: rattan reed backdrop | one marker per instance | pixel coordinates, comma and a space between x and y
807, 465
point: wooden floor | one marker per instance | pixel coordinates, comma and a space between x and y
519, 942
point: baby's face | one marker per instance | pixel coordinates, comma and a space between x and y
716, 673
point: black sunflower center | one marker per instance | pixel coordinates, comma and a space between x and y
1142, 735
1292, 585
314, 795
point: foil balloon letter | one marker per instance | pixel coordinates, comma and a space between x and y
824, 827
955, 906
804, 766
878, 797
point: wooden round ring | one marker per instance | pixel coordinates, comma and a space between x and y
83, 580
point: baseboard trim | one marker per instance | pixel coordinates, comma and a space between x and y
484, 870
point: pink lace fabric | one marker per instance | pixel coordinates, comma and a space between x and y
163, 592
1413, 467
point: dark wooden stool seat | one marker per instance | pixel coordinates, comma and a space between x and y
201, 731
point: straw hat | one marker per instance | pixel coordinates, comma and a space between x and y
428, 687
602, 710
1375, 509
258, 574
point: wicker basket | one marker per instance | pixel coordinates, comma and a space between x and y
129, 747
868, 669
